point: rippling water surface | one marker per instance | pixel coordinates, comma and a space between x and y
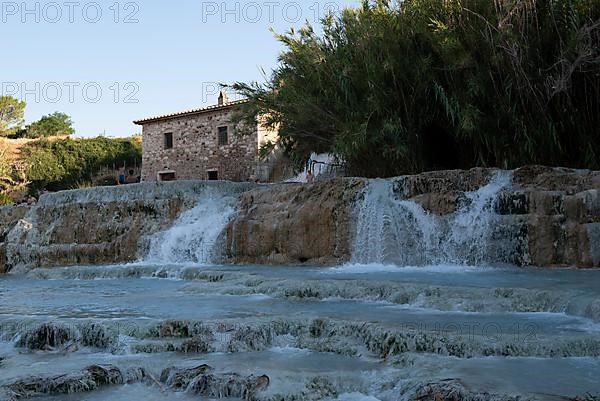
351, 332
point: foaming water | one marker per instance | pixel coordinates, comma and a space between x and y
388, 228
471, 227
393, 231
193, 236
371, 268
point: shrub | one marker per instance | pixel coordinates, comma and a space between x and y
5, 200
71, 163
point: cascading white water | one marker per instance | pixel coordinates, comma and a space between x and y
401, 232
391, 230
470, 228
193, 236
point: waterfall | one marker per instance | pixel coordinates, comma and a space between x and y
470, 229
397, 231
391, 230
193, 236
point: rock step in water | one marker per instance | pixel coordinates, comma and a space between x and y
541, 217
300, 359
202, 380
351, 338
464, 296
199, 380
88, 379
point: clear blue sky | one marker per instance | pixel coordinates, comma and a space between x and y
167, 56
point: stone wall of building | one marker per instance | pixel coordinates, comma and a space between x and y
276, 166
196, 149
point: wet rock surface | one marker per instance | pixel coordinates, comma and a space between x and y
294, 224
96, 225
550, 216
9, 218
88, 379
203, 381
47, 337
51, 336
545, 217
453, 390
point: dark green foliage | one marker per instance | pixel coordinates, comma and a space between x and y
12, 111
436, 84
56, 124
70, 163
5, 200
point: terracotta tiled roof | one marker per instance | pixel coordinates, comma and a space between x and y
189, 112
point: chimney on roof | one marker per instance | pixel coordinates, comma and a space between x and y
223, 98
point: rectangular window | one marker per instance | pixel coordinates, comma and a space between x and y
167, 176
213, 175
223, 136
169, 140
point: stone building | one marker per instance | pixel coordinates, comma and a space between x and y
201, 144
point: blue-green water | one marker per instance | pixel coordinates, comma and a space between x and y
534, 332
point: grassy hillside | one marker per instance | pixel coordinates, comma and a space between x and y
29, 167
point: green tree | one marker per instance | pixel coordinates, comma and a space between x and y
56, 124
12, 113
401, 87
